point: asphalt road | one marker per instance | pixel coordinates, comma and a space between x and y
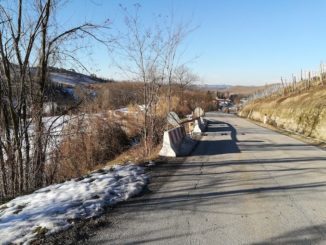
242, 185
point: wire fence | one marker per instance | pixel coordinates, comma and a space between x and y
303, 81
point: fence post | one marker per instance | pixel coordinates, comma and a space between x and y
294, 80
301, 76
321, 73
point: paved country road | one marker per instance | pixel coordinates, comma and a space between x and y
242, 185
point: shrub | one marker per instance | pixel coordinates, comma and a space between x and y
88, 143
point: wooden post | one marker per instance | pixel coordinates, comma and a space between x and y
294, 80
321, 73
283, 85
305, 80
301, 76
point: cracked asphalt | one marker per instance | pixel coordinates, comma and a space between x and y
243, 184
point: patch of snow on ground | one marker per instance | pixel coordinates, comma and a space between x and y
123, 110
54, 208
71, 79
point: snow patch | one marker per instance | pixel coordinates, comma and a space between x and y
54, 208
71, 79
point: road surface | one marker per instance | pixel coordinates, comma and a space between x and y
242, 185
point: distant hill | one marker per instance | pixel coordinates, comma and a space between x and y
243, 90
68, 81
72, 78
238, 89
216, 86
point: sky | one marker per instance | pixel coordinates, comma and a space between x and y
236, 42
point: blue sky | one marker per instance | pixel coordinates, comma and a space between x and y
238, 42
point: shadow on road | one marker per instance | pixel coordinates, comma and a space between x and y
220, 138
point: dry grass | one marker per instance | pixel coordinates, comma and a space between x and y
162, 107
244, 90
303, 112
135, 155
88, 144
315, 96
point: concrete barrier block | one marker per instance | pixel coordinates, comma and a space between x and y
168, 149
199, 125
176, 143
197, 128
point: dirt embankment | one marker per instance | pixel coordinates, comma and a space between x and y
303, 113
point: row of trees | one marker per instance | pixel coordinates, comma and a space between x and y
297, 83
121, 94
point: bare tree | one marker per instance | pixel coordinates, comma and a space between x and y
29, 43
150, 55
184, 78
175, 35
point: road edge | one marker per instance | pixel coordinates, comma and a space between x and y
306, 139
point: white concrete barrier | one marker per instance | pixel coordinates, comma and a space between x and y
200, 125
176, 142
172, 140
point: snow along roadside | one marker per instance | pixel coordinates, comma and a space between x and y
53, 208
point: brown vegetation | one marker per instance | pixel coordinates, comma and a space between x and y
101, 139
88, 143
29, 43
302, 111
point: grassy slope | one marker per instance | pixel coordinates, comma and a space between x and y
304, 113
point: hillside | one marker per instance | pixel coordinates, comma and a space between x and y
237, 89
303, 113
67, 81
72, 78
244, 90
